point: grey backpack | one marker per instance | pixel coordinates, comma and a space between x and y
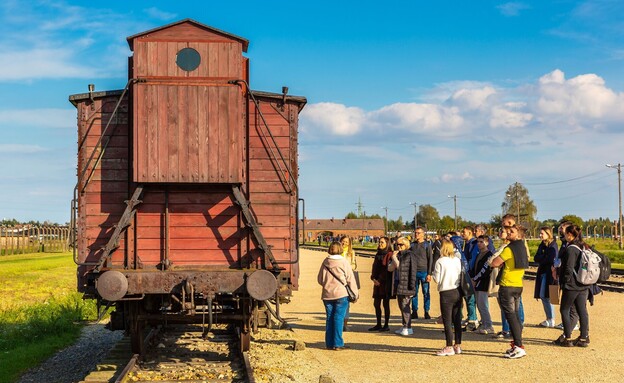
588, 270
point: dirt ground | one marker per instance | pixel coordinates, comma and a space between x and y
386, 357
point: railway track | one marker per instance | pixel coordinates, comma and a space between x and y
614, 284
178, 354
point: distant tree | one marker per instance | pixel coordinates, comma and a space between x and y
374, 216
428, 216
351, 215
517, 201
575, 219
495, 220
447, 223
550, 223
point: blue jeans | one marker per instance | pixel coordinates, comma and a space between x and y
520, 314
335, 310
421, 278
471, 307
548, 308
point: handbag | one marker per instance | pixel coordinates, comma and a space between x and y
554, 292
356, 274
351, 297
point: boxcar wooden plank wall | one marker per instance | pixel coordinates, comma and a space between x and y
103, 188
272, 193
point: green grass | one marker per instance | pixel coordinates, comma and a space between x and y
40, 311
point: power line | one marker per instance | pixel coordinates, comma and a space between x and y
563, 181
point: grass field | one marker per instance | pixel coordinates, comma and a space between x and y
40, 310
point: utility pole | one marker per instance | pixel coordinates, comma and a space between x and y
359, 206
386, 222
618, 167
455, 208
415, 214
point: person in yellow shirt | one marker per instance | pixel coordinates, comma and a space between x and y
349, 254
513, 260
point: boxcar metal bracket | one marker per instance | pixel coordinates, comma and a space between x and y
253, 225
120, 228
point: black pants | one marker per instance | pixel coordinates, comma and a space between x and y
509, 301
386, 306
578, 300
451, 308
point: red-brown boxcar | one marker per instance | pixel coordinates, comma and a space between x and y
186, 203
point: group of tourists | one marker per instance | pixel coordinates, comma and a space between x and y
467, 270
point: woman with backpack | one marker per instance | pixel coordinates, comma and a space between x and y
545, 256
573, 292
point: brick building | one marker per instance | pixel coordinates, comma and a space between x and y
336, 227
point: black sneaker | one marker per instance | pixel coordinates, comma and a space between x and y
414, 314
375, 328
384, 329
581, 342
563, 342
427, 316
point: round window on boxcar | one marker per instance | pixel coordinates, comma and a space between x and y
188, 59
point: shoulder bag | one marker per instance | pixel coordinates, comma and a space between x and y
350, 293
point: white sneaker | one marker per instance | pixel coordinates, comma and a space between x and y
399, 331
547, 323
517, 352
446, 351
576, 328
410, 331
404, 331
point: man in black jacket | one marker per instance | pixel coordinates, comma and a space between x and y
424, 269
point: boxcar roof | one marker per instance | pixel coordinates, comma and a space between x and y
243, 41
75, 98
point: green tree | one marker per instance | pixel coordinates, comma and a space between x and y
428, 216
351, 215
517, 202
575, 219
447, 223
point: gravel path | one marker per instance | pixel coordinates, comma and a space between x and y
74, 362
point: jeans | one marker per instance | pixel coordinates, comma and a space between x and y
451, 307
421, 278
509, 300
484, 309
471, 307
548, 308
520, 314
335, 310
578, 299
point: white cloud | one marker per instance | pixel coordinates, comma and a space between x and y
512, 8
40, 118
583, 97
549, 107
20, 149
504, 117
448, 178
41, 63
332, 118
159, 14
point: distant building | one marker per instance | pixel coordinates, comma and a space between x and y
336, 227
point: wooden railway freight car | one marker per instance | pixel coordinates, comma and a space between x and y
186, 203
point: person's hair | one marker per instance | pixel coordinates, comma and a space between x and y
577, 233
484, 237
403, 241
470, 229
563, 225
521, 230
419, 228
549, 233
388, 245
452, 233
509, 216
334, 248
447, 249
481, 227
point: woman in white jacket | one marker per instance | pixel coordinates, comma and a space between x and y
447, 274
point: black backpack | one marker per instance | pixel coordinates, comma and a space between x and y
605, 266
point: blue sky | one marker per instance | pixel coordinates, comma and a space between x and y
408, 101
